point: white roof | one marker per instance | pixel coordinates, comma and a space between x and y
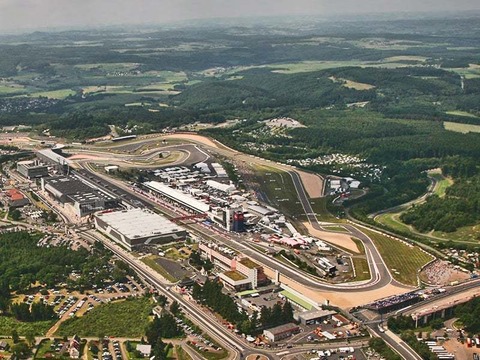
178, 196
48, 153
219, 170
219, 186
144, 348
260, 210
137, 223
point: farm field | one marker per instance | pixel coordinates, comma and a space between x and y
461, 128
112, 319
403, 260
11, 90
54, 94
471, 72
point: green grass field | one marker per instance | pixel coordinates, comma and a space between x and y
337, 228
472, 72
127, 318
461, 128
54, 94
442, 182
461, 113
181, 353
319, 206
7, 324
392, 221
403, 260
11, 90
467, 234
362, 270
360, 263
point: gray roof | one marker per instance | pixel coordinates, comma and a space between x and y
315, 314
282, 328
67, 185
139, 223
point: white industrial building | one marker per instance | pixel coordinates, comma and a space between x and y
136, 227
219, 170
185, 200
226, 188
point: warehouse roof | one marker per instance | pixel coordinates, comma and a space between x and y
316, 314
53, 156
282, 329
139, 223
67, 185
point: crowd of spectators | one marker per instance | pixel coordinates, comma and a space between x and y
396, 301
442, 273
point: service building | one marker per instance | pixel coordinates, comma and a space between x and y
32, 169
281, 332
84, 198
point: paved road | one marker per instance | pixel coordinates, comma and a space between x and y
380, 274
239, 243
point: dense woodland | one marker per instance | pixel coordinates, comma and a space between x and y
460, 206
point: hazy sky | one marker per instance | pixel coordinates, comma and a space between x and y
29, 14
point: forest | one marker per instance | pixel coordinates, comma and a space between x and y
460, 207
23, 263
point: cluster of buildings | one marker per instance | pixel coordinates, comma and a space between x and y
48, 160
240, 272
14, 198
84, 198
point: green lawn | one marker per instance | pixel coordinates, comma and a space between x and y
126, 318
337, 228
362, 270
7, 324
392, 221
442, 183
403, 260
278, 190
319, 206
